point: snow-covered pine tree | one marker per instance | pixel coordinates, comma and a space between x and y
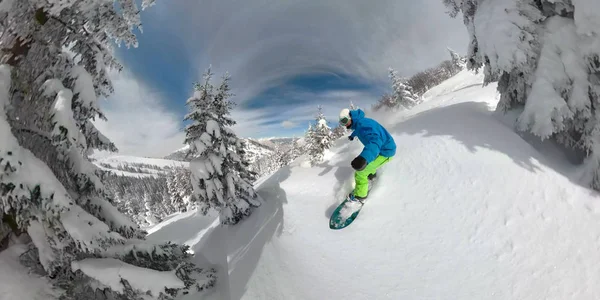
545, 56
283, 156
402, 95
386, 100
166, 201
220, 175
308, 138
175, 188
293, 151
56, 55
243, 165
319, 138
458, 62
151, 210
338, 132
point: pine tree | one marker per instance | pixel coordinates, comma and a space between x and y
319, 138
57, 56
541, 54
338, 132
175, 188
458, 62
221, 178
150, 210
298, 148
402, 96
166, 202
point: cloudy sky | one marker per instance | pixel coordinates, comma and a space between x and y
285, 58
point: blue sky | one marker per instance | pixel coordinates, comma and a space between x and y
285, 58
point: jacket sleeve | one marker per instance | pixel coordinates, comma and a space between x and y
373, 143
353, 134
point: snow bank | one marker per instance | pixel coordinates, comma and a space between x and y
587, 16
16, 282
509, 33
110, 272
559, 61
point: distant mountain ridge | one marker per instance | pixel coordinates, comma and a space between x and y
255, 148
133, 166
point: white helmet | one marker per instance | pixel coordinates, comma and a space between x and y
345, 117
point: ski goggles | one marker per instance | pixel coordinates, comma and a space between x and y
344, 121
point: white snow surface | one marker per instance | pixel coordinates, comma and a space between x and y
213, 128
17, 283
587, 16
508, 29
466, 210
110, 272
559, 61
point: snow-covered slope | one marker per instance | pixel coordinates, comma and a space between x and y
255, 150
178, 154
466, 210
137, 166
16, 282
274, 142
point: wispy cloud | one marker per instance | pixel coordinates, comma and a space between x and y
138, 121
264, 45
288, 124
268, 119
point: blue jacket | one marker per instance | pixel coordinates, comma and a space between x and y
376, 139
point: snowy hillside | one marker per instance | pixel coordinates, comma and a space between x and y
466, 210
274, 142
255, 149
137, 166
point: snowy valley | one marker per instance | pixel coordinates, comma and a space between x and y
150, 189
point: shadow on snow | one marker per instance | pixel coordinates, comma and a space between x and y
245, 241
463, 123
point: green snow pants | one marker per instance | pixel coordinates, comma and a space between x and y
361, 178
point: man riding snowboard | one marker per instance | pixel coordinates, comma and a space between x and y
379, 149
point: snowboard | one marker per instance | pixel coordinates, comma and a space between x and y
347, 211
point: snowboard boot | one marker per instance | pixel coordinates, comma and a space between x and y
372, 176
352, 197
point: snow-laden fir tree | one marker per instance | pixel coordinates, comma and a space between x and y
152, 210
545, 56
458, 62
338, 132
402, 95
55, 59
319, 138
179, 189
289, 154
166, 200
221, 178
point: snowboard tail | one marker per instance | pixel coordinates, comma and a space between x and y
347, 211
342, 218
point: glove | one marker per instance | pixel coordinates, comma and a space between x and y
359, 163
351, 138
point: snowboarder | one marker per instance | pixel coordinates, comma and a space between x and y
379, 148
